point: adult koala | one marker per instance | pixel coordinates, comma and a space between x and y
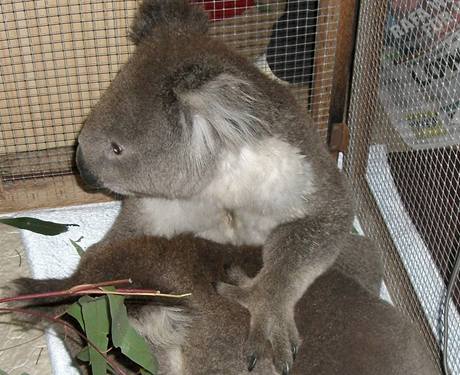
200, 141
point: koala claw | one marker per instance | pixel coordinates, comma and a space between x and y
295, 350
252, 362
284, 339
285, 369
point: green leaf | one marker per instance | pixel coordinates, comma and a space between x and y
97, 325
47, 228
83, 355
3, 372
74, 311
127, 338
77, 247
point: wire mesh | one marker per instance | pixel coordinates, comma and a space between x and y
404, 156
57, 57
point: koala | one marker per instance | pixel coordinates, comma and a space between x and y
197, 140
344, 327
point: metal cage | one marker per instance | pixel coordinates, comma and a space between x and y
57, 57
403, 158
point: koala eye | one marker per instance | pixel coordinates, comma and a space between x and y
117, 149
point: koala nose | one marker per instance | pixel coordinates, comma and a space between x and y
88, 177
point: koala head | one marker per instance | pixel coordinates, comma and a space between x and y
180, 101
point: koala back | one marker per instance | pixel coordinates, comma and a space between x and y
349, 330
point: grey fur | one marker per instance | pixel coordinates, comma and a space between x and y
344, 327
149, 110
177, 14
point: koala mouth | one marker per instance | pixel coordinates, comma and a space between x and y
117, 190
88, 177
91, 180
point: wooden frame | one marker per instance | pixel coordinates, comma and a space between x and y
338, 133
48, 192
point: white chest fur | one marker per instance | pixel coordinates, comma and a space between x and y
254, 190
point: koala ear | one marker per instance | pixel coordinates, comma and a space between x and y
225, 110
177, 14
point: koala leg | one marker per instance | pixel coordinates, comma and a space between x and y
295, 254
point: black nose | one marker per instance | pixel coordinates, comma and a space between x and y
88, 177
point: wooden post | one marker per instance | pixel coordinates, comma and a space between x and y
339, 137
2, 191
326, 35
342, 69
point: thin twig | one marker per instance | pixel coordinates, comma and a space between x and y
118, 370
137, 293
19, 256
76, 290
39, 355
86, 289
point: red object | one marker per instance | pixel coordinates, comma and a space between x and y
220, 9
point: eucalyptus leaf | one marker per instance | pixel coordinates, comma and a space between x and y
97, 326
77, 247
83, 355
125, 337
74, 310
47, 228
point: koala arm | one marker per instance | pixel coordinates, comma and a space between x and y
294, 255
126, 224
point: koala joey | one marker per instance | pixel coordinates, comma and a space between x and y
344, 327
199, 141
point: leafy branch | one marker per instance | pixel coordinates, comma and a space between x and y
97, 289
118, 370
100, 318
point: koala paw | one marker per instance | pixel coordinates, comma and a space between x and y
272, 321
16, 288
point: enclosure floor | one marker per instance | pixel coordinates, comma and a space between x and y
21, 351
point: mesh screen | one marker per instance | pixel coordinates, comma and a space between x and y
57, 57
404, 155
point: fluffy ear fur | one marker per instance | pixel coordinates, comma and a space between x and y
176, 14
226, 111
